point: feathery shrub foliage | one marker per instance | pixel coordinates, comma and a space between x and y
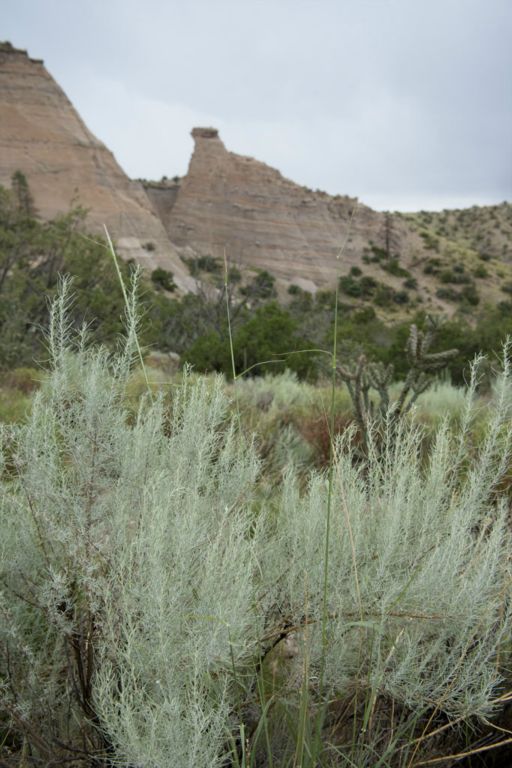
155, 612
123, 604
417, 571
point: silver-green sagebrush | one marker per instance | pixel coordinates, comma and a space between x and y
156, 612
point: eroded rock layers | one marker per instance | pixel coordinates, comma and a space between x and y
42, 135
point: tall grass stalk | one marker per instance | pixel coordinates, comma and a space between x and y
327, 535
130, 301
316, 745
228, 314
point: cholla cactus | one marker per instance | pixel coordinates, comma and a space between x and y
422, 365
365, 376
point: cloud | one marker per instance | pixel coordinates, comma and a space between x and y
150, 138
389, 100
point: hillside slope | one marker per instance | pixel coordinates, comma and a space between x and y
235, 207
42, 135
232, 205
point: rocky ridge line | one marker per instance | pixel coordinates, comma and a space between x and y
42, 135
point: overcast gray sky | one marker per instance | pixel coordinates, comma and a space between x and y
405, 103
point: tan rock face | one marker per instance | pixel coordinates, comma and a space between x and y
42, 135
263, 220
239, 206
235, 205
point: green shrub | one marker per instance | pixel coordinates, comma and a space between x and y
163, 278
271, 335
234, 275
301, 305
350, 286
432, 266
368, 285
364, 315
447, 276
430, 240
378, 253
266, 340
33, 254
209, 352
401, 297
325, 299
454, 276
261, 287
206, 263
480, 271
449, 294
14, 405
470, 294
393, 267
384, 295
362, 287
411, 283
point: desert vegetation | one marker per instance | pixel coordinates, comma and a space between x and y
168, 600
34, 253
294, 553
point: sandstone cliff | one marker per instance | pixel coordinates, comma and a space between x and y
239, 206
227, 201
42, 135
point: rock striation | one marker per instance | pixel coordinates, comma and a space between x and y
234, 206
42, 135
237, 205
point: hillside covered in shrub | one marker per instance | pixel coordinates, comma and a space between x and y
269, 332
